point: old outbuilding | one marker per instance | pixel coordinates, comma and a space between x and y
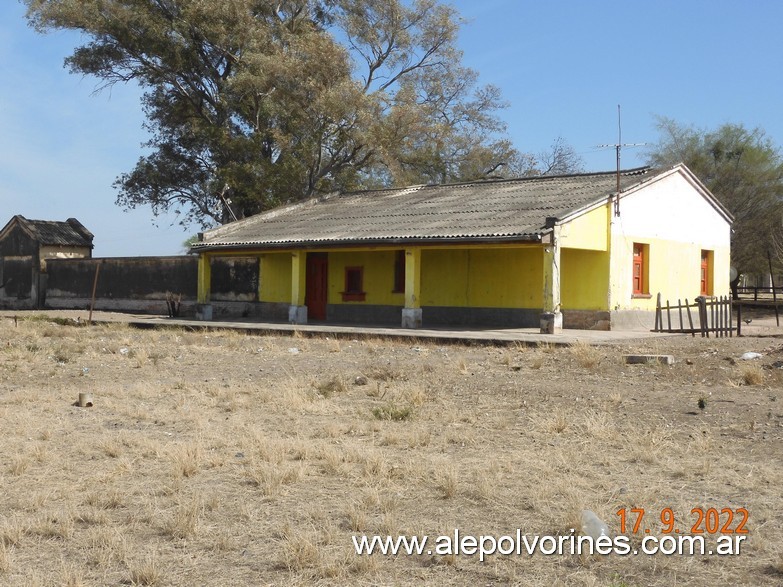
581, 251
25, 246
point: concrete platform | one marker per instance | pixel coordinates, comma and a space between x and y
528, 336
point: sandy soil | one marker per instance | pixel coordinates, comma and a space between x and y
217, 458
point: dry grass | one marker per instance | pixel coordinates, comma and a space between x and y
184, 521
587, 356
146, 572
5, 559
752, 374
220, 458
186, 459
447, 481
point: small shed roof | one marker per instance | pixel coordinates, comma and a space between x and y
70, 233
483, 211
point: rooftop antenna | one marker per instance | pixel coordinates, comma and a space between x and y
618, 147
227, 202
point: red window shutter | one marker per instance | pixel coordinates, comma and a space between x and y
638, 269
705, 270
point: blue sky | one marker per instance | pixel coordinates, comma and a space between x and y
563, 67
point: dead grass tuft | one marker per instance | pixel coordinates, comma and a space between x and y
184, 522
416, 396
111, 447
58, 525
385, 374
186, 459
5, 559
357, 517
556, 423
335, 384
393, 412
270, 478
586, 355
71, 576
446, 480
300, 549
106, 499
19, 464
752, 374
147, 573
11, 533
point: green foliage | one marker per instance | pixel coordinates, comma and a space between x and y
744, 169
268, 103
189, 242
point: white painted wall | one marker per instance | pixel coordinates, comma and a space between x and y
671, 215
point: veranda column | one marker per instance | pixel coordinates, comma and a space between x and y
411, 313
552, 318
203, 307
297, 311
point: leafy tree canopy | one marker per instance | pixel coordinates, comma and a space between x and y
258, 103
744, 170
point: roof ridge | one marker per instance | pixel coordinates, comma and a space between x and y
487, 181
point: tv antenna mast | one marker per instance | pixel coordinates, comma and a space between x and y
618, 147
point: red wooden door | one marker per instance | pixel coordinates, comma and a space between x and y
705, 273
316, 286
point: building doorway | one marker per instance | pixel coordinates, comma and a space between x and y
316, 286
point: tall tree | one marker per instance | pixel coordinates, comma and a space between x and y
260, 103
744, 169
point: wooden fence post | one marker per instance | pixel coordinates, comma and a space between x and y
702, 316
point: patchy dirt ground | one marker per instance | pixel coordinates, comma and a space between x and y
215, 458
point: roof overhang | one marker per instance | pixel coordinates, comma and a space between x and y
359, 243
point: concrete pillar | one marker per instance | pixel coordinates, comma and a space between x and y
203, 307
297, 311
411, 313
551, 317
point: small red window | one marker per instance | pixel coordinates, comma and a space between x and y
354, 285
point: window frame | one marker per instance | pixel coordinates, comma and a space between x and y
354, 275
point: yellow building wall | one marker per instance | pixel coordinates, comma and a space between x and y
378, 276
492, 278
488, 278
584, 280
274, 283
674, 270
677, 223
495, 277
588, 231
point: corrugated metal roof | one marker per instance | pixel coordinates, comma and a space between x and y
70, 233
487, 210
